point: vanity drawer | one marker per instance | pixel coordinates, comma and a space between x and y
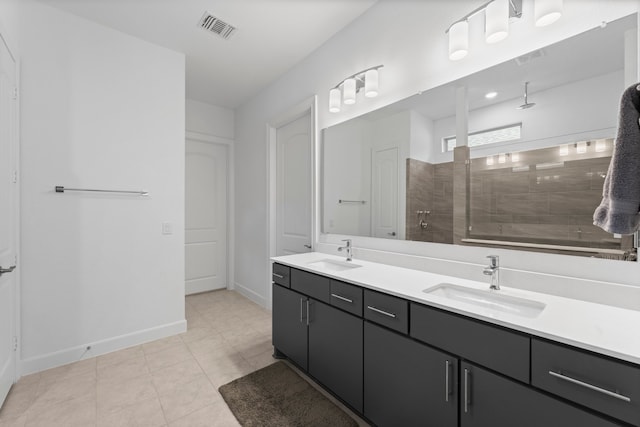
386, 310
599, 383
311, 284
496, 348
280, 274
347, 297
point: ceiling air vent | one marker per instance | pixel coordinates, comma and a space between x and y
531, 56
216, 26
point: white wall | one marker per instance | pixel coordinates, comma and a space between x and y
349, 153
99, 109
422, 144
414, 55
209, 119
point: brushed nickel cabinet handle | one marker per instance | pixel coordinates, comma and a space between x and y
308, 313
279, 276
377, 310
340, 297
301, 317
447, 390
590, 386
467, 399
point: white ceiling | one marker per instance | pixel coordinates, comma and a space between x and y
272, 36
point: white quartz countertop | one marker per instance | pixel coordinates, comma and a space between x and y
600, 328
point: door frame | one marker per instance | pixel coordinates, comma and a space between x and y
4, 38
306, 107
229, 143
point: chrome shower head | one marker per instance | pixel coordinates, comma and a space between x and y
526, 104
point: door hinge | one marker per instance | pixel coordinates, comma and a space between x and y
15, 93
15, 343
14, 178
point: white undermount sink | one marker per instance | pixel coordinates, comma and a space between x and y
334, 265
488, 299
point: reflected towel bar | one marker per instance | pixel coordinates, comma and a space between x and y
61, 189
352, 201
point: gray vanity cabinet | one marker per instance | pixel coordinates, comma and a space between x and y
335, 351
322, 340
402, 363
289, 326
608, 386
488, 399
407, 383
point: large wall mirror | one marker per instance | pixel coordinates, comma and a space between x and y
527, 175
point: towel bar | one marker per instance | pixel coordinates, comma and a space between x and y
61, 189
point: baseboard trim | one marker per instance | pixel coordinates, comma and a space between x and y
252, 295
74, 354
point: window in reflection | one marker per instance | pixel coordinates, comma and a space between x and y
490, 136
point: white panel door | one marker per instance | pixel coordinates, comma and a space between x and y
384, 200
205, 217
293, 189
8, 219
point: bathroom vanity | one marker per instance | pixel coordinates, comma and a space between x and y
405, 348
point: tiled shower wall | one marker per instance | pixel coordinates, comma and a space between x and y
429, 188
555, 204
551, 202
540, 198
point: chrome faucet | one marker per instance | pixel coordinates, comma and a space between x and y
348, 248
493, 270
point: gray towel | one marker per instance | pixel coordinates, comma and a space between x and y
619, 211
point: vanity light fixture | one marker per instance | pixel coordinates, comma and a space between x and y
496, 22
564, 150
458, 40
502, 158
515, 157
546, 12
601, 145
347, 90
497, 13
489, 160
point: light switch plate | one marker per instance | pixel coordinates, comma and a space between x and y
167, 228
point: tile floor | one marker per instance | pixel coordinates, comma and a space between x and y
171, 382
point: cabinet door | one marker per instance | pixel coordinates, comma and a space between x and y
335, 351
289, 334
488, 399
407, 383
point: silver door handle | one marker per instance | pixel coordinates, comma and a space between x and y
467, 400
393, 233
590, 386
377, 310
301, 302
7, 270
307, 246
340, 297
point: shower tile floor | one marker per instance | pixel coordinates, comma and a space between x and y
170, 382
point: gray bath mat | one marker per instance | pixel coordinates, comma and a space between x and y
277, 396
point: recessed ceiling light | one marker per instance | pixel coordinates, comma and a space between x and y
491, 95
